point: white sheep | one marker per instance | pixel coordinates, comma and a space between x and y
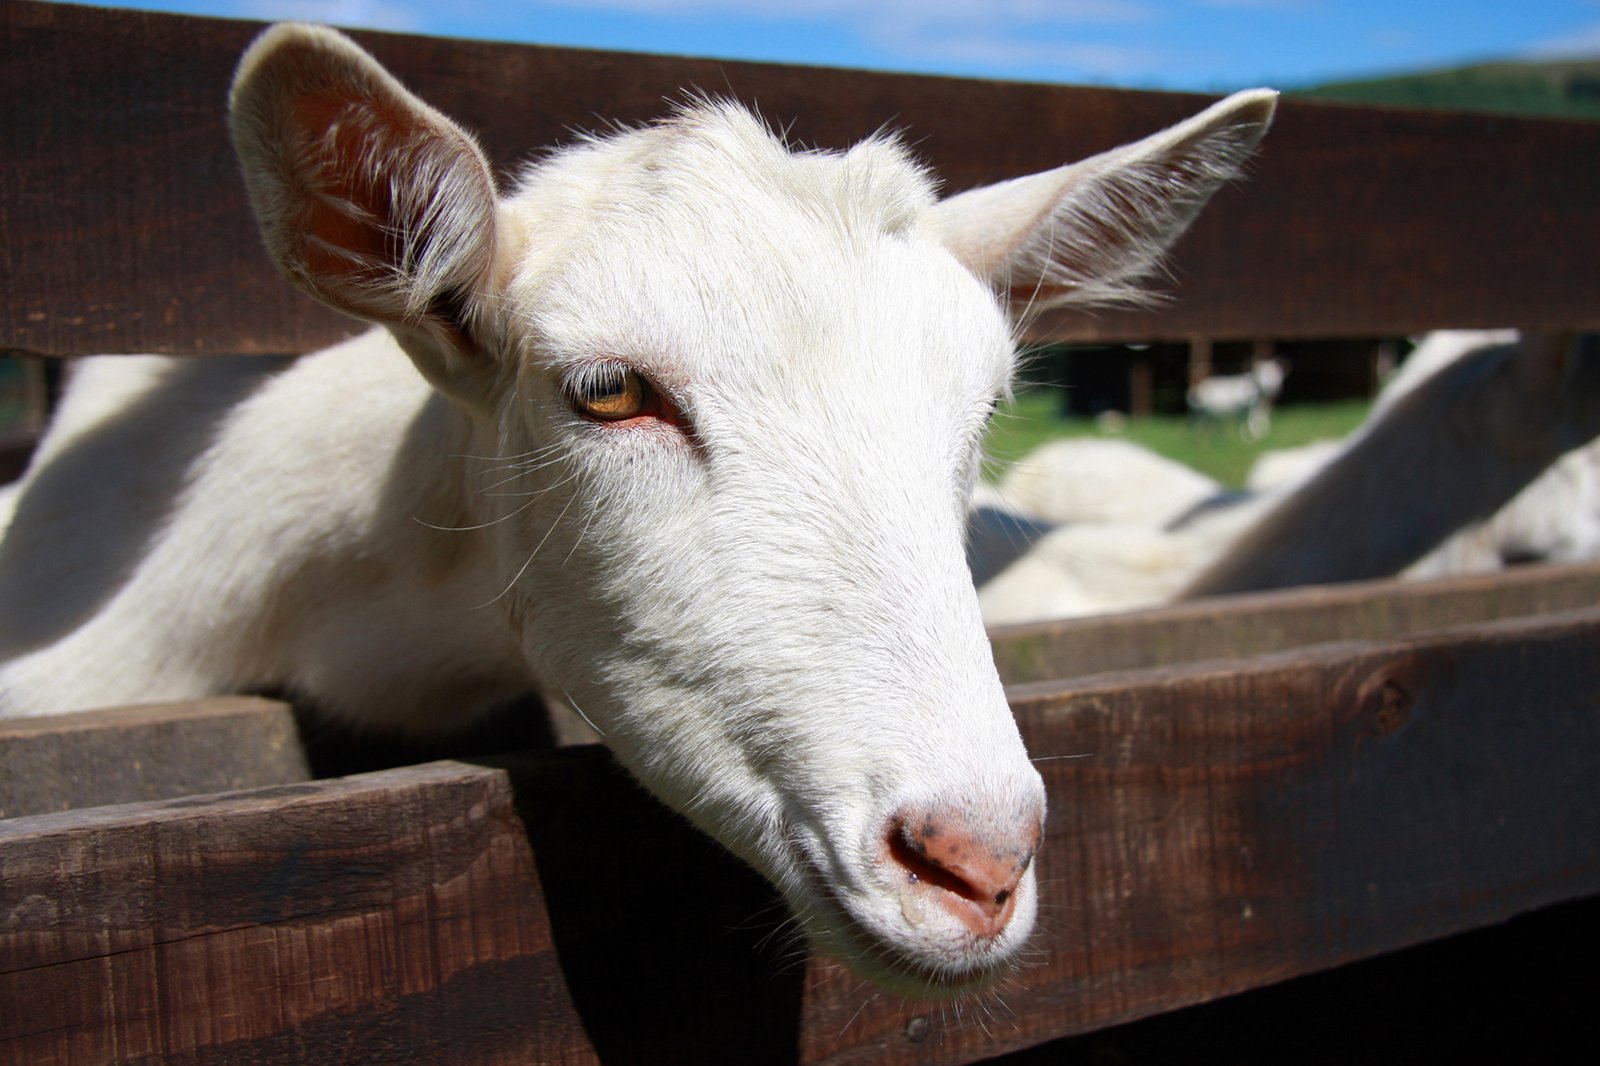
679, 431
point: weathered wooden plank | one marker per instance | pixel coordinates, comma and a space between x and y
126, 154
1482, 996
1226, 627
128, 754
1213, 828
392, 917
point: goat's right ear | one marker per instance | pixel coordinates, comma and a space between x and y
368, 199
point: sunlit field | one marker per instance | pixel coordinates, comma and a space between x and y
1215, 449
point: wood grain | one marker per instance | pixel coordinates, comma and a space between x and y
393, 916
1355, 221
1213, 828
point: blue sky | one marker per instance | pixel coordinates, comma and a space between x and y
1203, 45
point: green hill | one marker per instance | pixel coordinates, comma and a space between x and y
1558, 88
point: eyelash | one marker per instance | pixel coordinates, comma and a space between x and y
614, 393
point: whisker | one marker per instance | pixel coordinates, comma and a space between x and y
524, 569
578, 540
545, 448
521, 473
852, 1019
574, 703
480, 525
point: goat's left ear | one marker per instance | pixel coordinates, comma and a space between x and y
1090, 232
368, 199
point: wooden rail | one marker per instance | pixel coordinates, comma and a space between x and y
1228, 627
1214, 827
1383, 207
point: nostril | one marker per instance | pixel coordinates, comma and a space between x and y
910, 851
975, 876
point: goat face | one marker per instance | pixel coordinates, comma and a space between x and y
743, 390
751, 510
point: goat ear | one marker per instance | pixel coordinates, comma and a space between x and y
1090, 232
368, 199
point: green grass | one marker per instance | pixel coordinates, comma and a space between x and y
1214, 450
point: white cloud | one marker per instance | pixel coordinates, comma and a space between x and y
373, 14
1581, 42
1010, 53
973, 12
1008, 34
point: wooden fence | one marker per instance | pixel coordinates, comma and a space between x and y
1241, 791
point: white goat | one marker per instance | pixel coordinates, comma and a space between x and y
689, 449
1492, 422
1280, 468
1434, 458
1076, 527
1556, 518
1247, 397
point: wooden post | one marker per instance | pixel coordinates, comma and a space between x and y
1141, 385
1199, 359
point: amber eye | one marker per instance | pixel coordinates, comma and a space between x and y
610, 393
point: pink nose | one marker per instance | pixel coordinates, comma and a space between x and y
972, 874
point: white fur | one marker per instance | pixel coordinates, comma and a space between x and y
762, 604
1556, 518
1279, 468
1105, 482
1085, 569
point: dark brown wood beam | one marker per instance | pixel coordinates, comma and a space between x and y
123, 223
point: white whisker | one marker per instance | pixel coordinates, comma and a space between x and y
524, 568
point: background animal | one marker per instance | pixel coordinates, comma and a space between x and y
1473, 457
1244, 398
1087, 480
679, 429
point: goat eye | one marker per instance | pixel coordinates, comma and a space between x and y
611, 394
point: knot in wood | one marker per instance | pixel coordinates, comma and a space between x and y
1389, 705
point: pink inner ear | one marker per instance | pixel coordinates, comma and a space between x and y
393, 207
347, 206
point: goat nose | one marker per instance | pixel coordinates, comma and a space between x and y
972, 874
